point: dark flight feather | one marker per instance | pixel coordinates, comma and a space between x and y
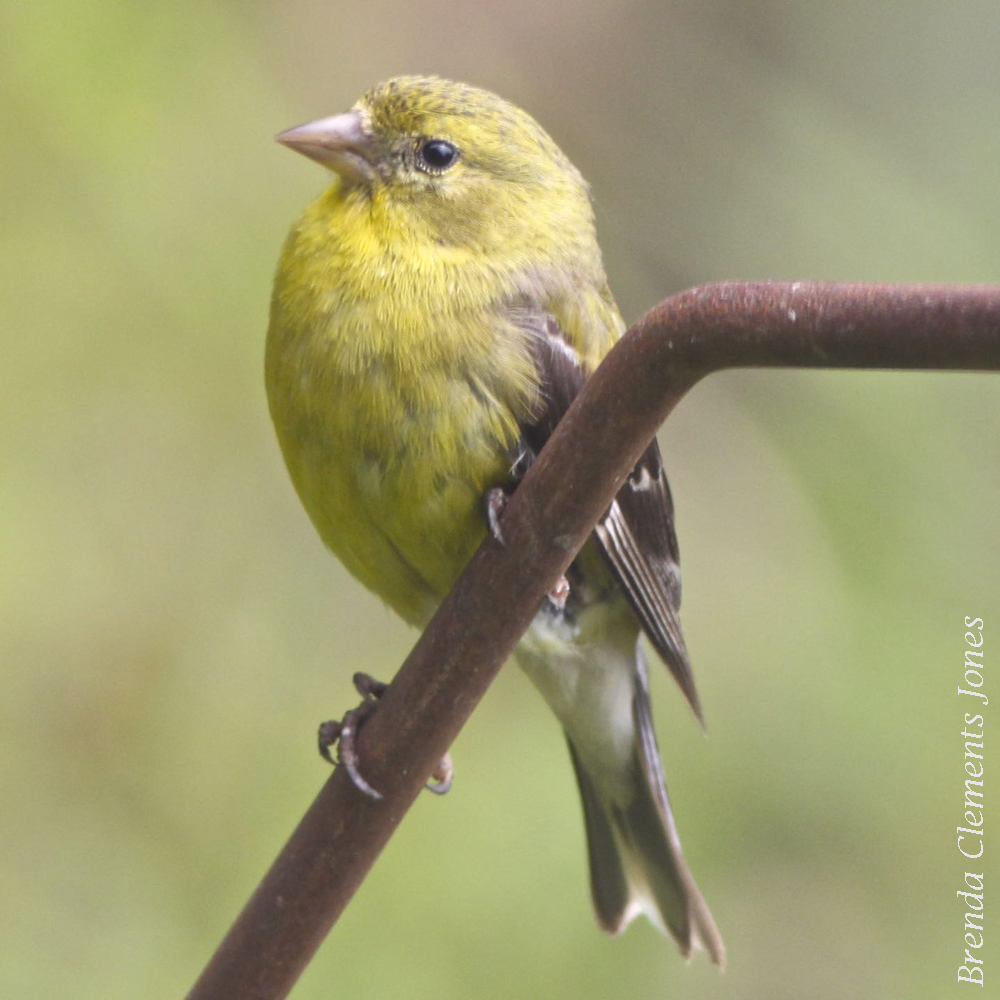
636, 534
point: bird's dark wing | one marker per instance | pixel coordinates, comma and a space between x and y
636, 534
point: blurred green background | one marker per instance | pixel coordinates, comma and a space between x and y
172, 631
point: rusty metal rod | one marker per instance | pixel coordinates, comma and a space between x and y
759, 325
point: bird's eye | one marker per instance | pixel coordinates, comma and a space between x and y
435, 156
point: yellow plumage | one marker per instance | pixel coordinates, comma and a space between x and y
433, 314
396, 371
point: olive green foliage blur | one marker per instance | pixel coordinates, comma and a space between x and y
172, 630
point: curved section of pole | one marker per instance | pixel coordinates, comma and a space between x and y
761, 325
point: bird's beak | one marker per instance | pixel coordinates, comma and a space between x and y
341, 142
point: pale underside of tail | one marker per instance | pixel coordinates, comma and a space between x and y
600, 693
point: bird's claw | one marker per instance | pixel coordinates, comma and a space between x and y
558, 594
344, 733
496, 501
442, 776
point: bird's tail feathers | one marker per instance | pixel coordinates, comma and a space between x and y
636, 862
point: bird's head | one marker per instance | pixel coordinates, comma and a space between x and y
455, 167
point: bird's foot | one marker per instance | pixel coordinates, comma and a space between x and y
558, 594
496, 501
441, 779
344, 733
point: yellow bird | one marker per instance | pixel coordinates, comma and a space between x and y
434, 314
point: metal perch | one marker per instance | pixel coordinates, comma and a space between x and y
686, 337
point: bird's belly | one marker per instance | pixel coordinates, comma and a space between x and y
396, 491
586, 673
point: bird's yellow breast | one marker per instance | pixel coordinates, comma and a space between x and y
396, 382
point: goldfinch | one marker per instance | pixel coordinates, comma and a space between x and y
434, 313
